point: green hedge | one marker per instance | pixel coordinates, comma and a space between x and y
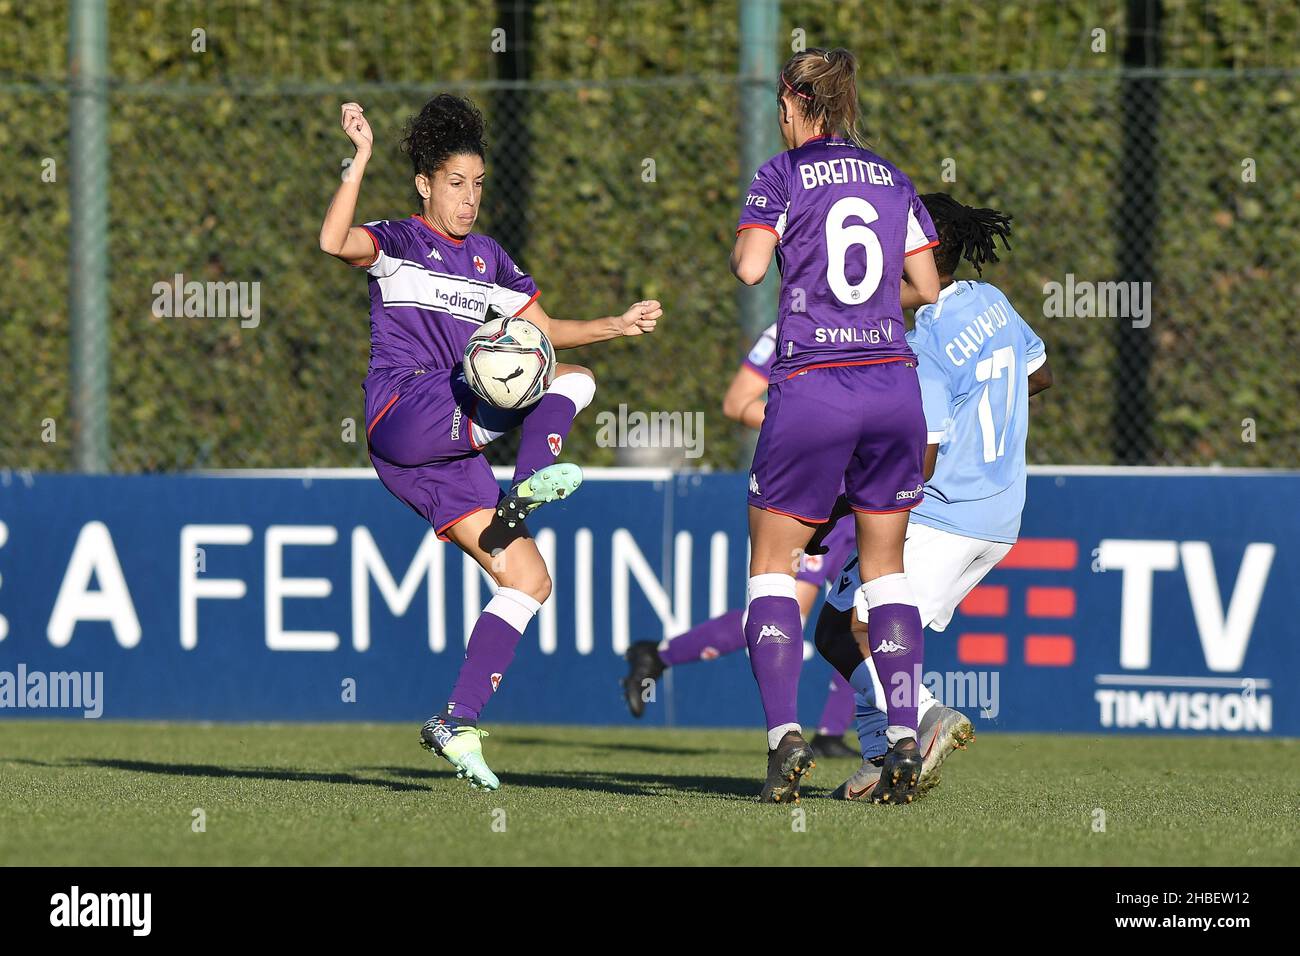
222, 163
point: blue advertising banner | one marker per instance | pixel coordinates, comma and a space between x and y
1137, 600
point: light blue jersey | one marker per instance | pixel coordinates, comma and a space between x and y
975, 354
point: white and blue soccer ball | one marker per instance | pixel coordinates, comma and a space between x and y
509, 363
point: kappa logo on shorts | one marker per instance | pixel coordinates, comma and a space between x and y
753, 485
496, 682
555, 442
906, 495
888, 647
812, 562
777, 635
455, 423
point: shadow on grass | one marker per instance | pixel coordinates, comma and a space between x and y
246, 773
647, 748
623, 784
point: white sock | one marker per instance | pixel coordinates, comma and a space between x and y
866, 682
576, 387
514, 607
776, 733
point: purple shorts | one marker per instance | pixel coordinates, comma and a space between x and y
840, 543
861, 424
426, 445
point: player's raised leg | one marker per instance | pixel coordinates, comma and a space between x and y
523, 584
538, 478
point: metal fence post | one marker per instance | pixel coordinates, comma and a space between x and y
759, 22
88, 261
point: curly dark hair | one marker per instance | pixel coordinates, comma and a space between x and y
447, 126
965, 232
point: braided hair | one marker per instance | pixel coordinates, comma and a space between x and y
965, 232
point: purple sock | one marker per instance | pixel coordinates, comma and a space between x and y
547, 425
775, 638
898, 648
714, 638
838, 712
491, 649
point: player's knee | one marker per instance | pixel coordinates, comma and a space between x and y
535, 582
564, 368
835, 641
576, 383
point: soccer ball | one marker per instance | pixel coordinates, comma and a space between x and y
509, 363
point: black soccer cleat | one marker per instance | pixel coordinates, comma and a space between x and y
899, 774
817, 543
828, 745
787, 765
643, 664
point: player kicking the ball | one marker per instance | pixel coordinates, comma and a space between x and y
844, 403
979, 363
432, 283
725, 634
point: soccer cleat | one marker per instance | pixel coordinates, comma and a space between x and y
863, 782
942, 731
643, 664
816, 544
828, 745
787, 765
541, 487
899, 773
460, 745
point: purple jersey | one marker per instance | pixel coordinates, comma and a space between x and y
429, 292
845, 219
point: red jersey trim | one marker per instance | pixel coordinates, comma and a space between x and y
373, 259
382, 412
428, 225
523, 308
788, 514
928, 245
891, 511
757, 225
442, 532
875, 361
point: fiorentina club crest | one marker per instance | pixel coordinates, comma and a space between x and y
496, 682
480, 265
556, 443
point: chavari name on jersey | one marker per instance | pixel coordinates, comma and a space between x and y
429, 292
974, 355
845, 219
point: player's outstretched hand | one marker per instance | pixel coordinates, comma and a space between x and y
357, 128
641, 319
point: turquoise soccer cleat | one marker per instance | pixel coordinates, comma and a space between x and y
461, 746
543, 486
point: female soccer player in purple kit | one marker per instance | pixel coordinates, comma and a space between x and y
647, 660
432, 283
852, 242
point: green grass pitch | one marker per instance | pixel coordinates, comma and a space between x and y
92, 793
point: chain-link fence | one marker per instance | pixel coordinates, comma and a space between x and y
1147, 152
